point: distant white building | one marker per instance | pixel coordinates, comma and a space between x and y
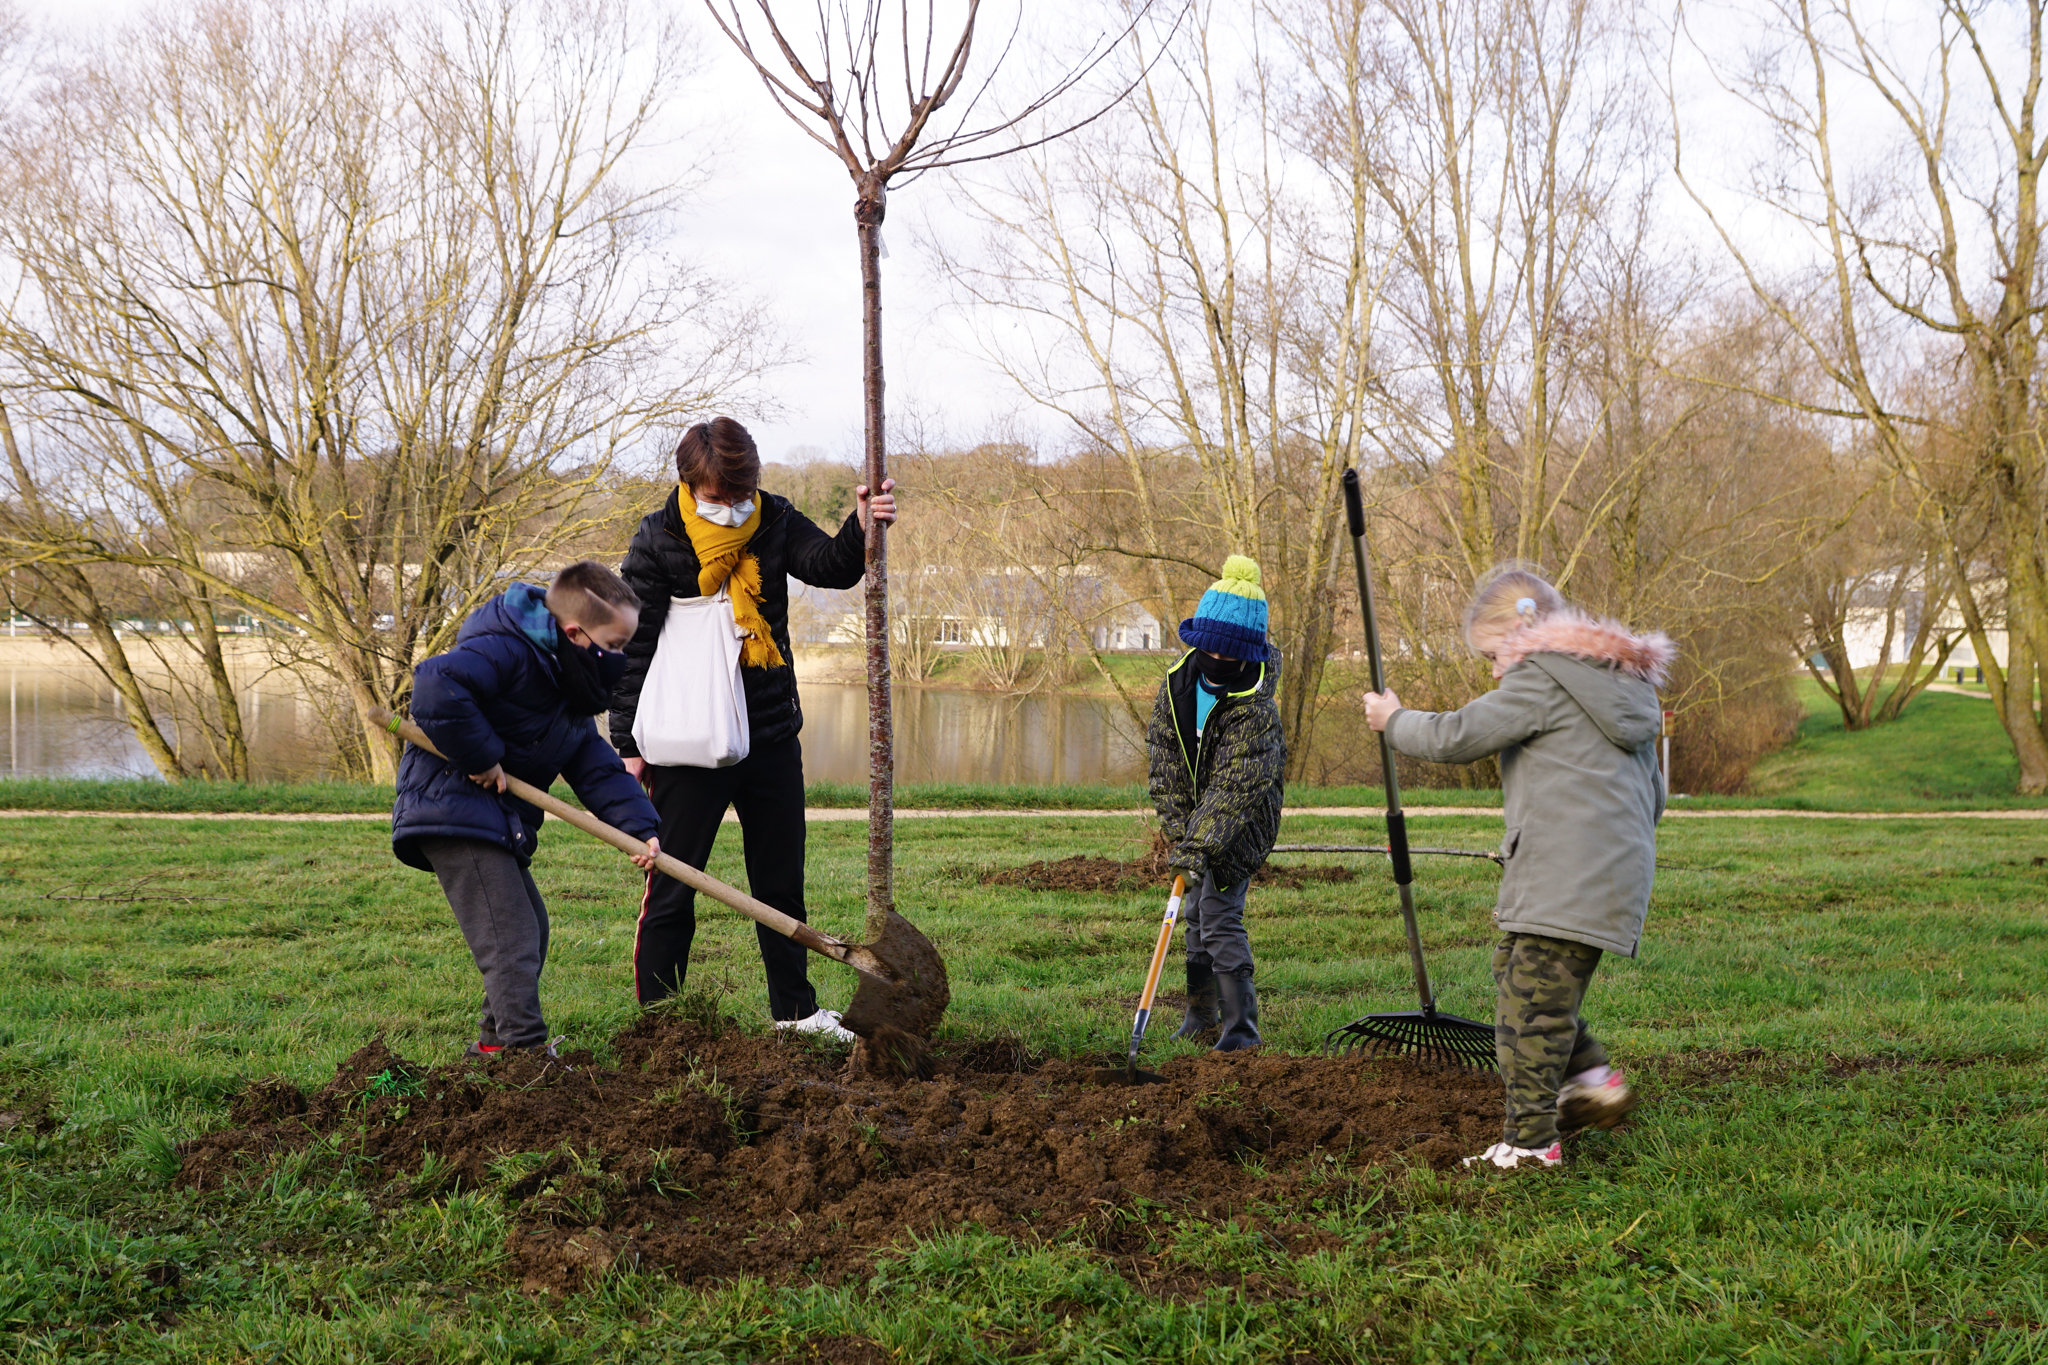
1133, 628
961, 609
1863, 631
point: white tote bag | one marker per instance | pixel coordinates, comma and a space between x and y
693, 707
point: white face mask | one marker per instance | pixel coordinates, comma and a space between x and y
718, 514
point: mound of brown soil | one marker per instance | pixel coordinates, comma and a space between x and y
713, 1153
1085, 873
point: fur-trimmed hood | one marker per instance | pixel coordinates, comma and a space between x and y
1611, 672
1599, 641
1574, 722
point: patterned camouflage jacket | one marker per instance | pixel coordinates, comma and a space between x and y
1219, 800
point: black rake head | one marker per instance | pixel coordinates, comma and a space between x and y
1424, 1035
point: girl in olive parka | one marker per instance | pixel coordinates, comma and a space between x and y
1575, 722
1218, 768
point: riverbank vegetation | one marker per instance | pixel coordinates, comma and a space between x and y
1837, 1159
1945, 752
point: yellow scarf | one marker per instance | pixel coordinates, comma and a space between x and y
723, 561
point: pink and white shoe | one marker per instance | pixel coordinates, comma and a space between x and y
1597, 1098
1508, 1157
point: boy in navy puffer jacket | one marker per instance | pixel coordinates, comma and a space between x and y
517, 695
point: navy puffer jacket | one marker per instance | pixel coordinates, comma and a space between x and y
497, 698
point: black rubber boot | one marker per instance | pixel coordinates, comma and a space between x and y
1240, 1001
1201, 1001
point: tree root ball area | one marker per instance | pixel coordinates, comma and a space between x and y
711, 1153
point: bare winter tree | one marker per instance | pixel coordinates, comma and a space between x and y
1202, 279
1928, 258
890, 91
1419, 236
365, 301
1878, 575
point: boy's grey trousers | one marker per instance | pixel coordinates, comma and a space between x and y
506, 924
1214, 917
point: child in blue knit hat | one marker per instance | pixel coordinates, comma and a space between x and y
1219, 765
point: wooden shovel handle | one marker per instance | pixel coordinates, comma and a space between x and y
757, 911
1165, 941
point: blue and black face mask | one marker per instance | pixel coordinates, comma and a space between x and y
588, 675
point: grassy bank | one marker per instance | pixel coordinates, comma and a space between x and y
275, 798
1946, 752
1837, 1026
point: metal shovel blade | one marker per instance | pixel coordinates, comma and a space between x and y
1425, 1035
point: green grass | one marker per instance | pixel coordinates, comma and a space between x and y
1947, 752
1838, 1025
982, 796
1133, 796
347, 798
78, 793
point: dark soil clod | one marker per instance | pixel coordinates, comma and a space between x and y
1085, 873
712, 1154
1147, 872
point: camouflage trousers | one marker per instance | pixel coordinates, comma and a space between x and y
1538, 1033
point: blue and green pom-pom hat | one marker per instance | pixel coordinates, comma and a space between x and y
1231, 618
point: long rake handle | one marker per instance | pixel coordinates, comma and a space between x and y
1180, 888
1397, 821
758, 911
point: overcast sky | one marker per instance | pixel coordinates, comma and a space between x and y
777, 216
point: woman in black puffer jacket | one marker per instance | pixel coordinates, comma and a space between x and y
718, 470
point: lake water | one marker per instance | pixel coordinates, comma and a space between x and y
64, 722
67, 722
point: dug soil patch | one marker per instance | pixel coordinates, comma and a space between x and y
713, 1153
1085, 873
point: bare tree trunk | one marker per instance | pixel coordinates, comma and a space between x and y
868, 212
851, 117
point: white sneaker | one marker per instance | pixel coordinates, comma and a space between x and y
1508, 1156
825, 1022
1598, 1098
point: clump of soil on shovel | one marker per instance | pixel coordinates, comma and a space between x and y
712, 1153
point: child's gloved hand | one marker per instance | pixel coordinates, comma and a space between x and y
1380, 708
645, 861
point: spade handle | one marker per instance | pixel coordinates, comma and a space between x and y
1180, 889
853, 955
